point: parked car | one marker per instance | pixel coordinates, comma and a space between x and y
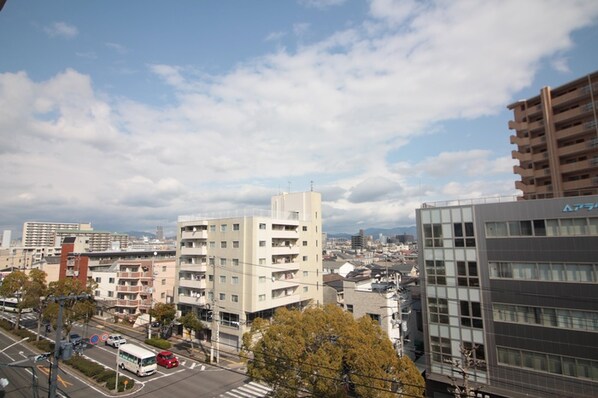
75, 339
167, 359
115, 340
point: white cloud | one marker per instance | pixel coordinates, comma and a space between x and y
275, 36
330, 112
62, 29
321, 4
119, 48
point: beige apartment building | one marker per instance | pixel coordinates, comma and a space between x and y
43, 234
556, 134
234, 268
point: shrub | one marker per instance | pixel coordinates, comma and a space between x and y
105, 375
22, 333
85, 366
44, 345
160, 343
130, 383
5, 324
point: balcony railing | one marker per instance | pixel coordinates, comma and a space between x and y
129, 288
127, 303
192, 300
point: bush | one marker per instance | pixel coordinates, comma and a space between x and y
130, 383
105, 375
85, 366
160, 343
44, 345
5, 324
22, 333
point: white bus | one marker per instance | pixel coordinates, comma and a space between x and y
136, 359
9, 304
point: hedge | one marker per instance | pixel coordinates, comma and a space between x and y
160, 343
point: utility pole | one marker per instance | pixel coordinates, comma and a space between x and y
400, 315
151, 303
54, 368
215, 337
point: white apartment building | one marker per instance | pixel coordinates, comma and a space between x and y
43, 234
235, 268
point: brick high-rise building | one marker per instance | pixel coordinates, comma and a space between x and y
557, 140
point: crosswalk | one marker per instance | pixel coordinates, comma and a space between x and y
250, 390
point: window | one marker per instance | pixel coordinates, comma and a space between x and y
212, 245
110, 280
262, 261
375, 317
304, 258
520, 228
163, 282
262, 226
478, 355
495, 229
236, 227
234, 298
471, 314
235, 261
222, 296
223, 245
350, 308
304, 243
432, 235
262, 297
441, 349
305, 289
110, 294
98, 279
436, 272
467, 274
262, 279
235, 244
212, 228
97, 293
223, 228
262, 243
305, 274
222, 262
438, 310
212, 261
163, 268
210, 278
163, 295
304, 228
235, 280
464, 236
222, 279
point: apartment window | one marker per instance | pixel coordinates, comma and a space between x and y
235, 244
350, 308
441, 349
223, 245
262, 226
163, 282
222, 296
304, 243
438, 310
235, 280
316, 243
463, 233
163, 268
262, 297
478, 355
163, 295
110, 294
212, 228
235, 261
304, 258
222, 262
305, 289
374, 317
210, 278
520, 228
436, 272
222, 279
262, 243
467, 274
212, 245
262, 279
234, 298
98, 279
305, 273
432, 235
304, 228
97, 293
223, 227
471, 314
110, 280
212, 261
236, 227
210, 296
262, 261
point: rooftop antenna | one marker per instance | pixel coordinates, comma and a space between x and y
311, 185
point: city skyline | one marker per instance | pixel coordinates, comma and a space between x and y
130, 115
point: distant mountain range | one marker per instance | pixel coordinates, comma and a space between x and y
375, 232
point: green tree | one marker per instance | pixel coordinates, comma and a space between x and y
163, 313
325, 352
192, 324
14, 285
74, 310
35, 293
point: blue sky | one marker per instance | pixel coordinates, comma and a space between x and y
127, 114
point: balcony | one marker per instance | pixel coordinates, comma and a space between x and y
285, 284
72, 273
283, 250
521, 186
523, 172
282, 264
199, 234
285, 234
127, 303
574, 131
280, 300
194, 251
574, 149
196, 300
538, 157
147, 303
577, 166
573, 113
513, 125
193, 283
575, 95
519, 141
199, 267
537, 125
129, 288
521, 156
129, 275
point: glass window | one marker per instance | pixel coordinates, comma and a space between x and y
235, 244
593, 226
212, 228
235, 280
235, 261
262, 279
223, 245
262, 226
222, 296
539, 228
222, 279
235, 227
552, 227
262, 243
262, 297
222, 261
223, 228
234, 298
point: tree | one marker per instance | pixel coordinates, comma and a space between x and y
14, 285
163, 313
74, 310
326, 353
192, 324
35, 293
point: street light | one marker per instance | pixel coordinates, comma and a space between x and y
151, 303
117, 356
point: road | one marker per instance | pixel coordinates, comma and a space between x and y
191, 378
